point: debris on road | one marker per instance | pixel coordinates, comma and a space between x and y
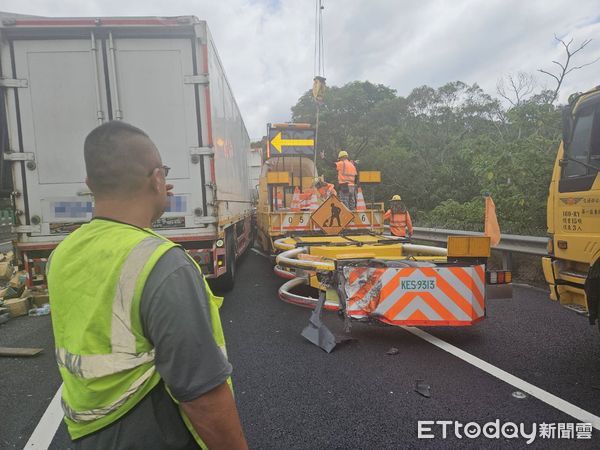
16, 299
41, 311
19, 351
423, 388
6, 268
316, 331
18, 306
392, 351
39, 296
520, 395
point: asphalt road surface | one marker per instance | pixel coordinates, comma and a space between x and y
293, 395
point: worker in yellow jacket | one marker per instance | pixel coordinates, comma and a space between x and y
139, 342
399, 218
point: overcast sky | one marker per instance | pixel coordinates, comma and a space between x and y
267, 46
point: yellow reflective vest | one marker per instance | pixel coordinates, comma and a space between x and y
95, 280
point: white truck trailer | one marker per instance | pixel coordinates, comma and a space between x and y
61, 77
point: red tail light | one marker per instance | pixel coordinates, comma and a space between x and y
500, 277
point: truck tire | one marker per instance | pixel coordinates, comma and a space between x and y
226, 282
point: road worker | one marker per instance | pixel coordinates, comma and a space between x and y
324, 189
347, 173
138, 337
399, 218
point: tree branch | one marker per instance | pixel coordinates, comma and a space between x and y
548, 73
564, 68
583, 65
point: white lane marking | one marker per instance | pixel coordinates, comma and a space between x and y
546, 397
42, 436
258, 252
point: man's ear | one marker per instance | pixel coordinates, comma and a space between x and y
155, 181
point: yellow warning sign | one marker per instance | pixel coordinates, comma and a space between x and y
332, 216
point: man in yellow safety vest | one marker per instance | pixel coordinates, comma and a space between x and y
399, 217
139, 342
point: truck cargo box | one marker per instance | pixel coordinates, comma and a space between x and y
63, 77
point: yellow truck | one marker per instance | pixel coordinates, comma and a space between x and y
572, 268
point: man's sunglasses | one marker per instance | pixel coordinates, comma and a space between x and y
164, 168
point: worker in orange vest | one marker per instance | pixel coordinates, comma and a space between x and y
399, 217
346, 172
325, 189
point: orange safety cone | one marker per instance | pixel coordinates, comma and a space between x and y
305, 199
360, 200
314, 202
279, 200
490, 226
296, 201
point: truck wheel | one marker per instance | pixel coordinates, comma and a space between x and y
225, 282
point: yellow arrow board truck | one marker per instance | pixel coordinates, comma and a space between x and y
573, 268
290, 192
62, 77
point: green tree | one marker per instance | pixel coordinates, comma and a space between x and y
441, 149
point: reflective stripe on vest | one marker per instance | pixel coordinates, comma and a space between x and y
97, 413
106, 372
123, 342
95, 366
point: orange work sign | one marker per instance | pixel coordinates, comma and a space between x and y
332, 216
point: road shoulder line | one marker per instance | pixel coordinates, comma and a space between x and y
546, 397
44, 432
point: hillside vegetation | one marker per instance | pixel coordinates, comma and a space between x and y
442, 149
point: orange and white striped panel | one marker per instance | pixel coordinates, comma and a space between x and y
361, 220
417, 296
366, 219
377, 219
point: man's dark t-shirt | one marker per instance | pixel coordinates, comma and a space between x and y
176, 319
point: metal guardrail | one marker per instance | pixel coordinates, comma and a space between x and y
529, 245
509, 243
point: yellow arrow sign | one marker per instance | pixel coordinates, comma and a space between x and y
278, 142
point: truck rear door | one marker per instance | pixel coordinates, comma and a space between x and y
152, 88
59, 106
74, 84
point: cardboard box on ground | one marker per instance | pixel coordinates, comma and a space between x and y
18, 306
15, 298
